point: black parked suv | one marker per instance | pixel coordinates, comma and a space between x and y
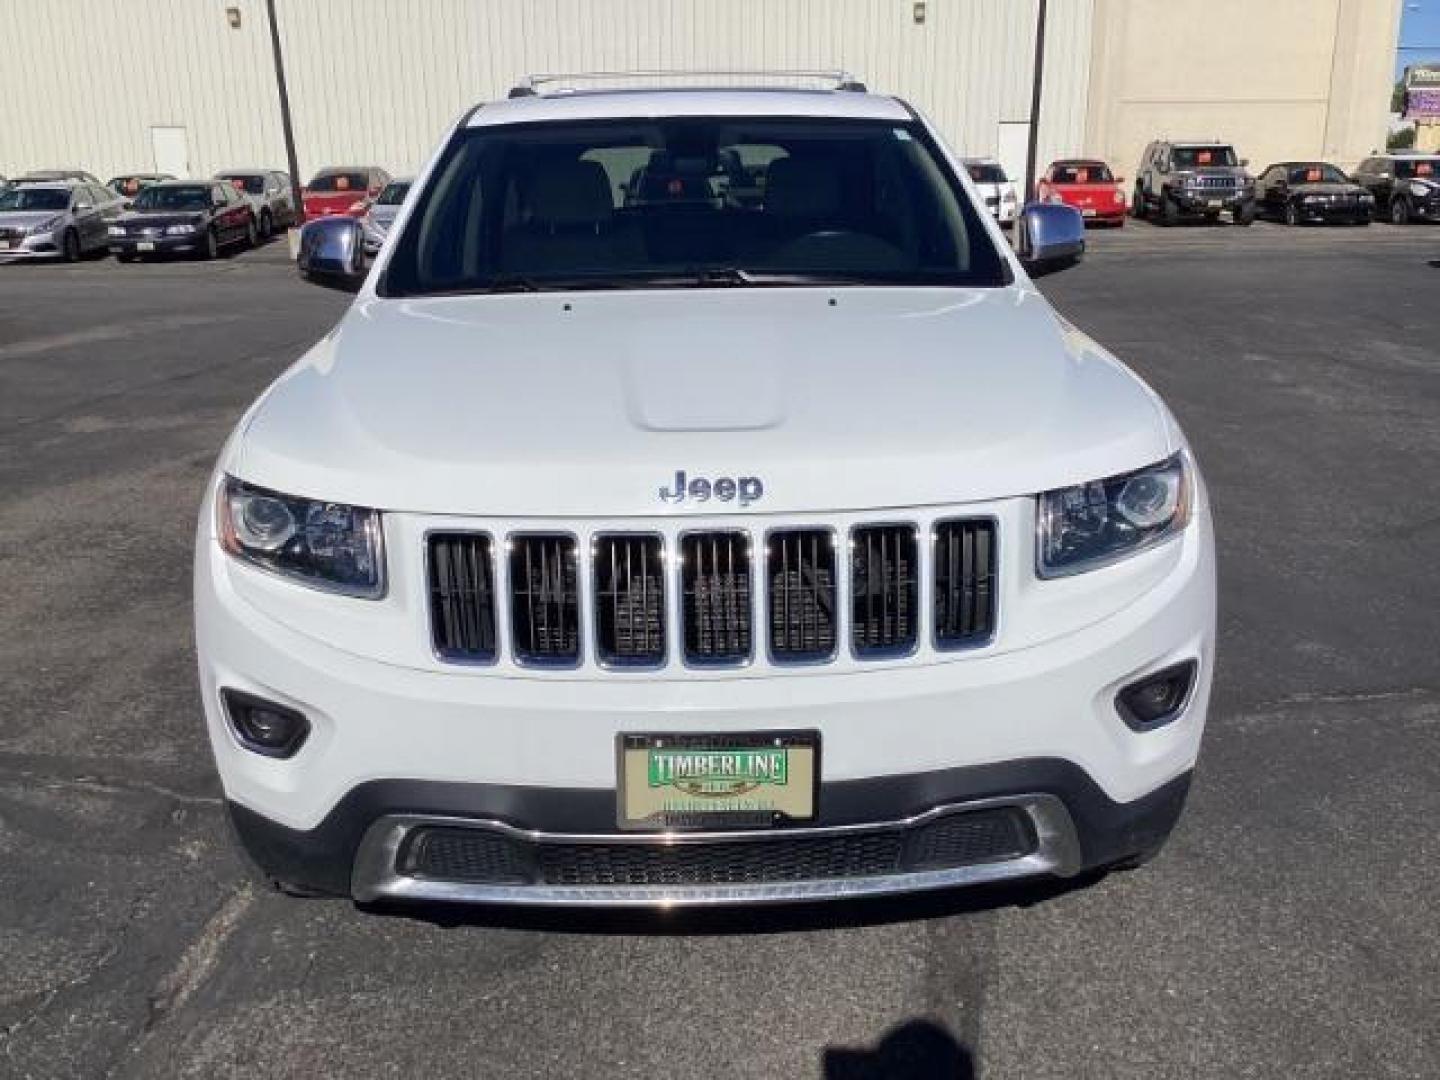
1406, 186
1177, 180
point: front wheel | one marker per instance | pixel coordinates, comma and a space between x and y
125, 256
1292, 215
250, 238
1169, 210
267, 225
1137, 204
1399, 212
211, 247
1245, 215
70, 246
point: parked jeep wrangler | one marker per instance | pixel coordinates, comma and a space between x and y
1176, 180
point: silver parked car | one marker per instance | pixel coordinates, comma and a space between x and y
268, 191
56, 221
383, 211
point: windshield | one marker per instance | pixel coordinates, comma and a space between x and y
394, 194
250, 183
1200, 157
173, 198
29, 198
1425, 168
1091, 173
987, 174
1316, 172
688, 201
339, 181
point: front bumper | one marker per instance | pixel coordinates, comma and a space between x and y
154, 245
31, 246
529, 756
1330, 213
1210, 202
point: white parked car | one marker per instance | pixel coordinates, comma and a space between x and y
632, 543
1001, 196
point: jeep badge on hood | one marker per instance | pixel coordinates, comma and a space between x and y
747, 489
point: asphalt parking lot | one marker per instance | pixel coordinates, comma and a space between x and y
1290, 929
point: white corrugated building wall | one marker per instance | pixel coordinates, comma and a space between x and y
378, 80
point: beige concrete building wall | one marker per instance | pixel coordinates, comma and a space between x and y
1280, 79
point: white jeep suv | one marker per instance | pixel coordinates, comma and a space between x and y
699, 504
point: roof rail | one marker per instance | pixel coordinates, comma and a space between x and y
533, 85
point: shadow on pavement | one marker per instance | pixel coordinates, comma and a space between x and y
741, 919
915, 1049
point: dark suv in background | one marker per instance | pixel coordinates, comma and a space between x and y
1406, 186
1177, 180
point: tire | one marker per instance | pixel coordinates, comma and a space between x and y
1169, 210
1399, 212
1137, 204
251, 238
124, 256
70, 246
212, 246
1292, 215
267, 225
1245, 215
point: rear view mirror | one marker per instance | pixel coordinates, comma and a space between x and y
1049, 237
332, 253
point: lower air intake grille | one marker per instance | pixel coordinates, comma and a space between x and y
884, 582
964, 583
715, 586
462, 596
800, 566
630, 600
478, 855
544, 603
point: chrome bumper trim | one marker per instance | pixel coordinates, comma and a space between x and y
375, 878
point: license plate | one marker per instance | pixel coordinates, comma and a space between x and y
144, 245
731, 781
1087, 213
1217, 203
5, 245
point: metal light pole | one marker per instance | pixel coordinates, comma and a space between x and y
285, 113
1039, 80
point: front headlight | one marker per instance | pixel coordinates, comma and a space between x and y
117, 230
1421, 189
49, 225
325, 545
179, 230
1092, 525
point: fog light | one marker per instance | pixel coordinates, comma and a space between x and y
1157, 699
263, 726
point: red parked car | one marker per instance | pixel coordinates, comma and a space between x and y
1089, 186
343, 189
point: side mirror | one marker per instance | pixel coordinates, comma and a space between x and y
332, 253
1049, 237
1120, 181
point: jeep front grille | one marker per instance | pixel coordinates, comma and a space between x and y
461, 576
544, 598
800, 572
652, 599
716, 596
884, 569
629, 600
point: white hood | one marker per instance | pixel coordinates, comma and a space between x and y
587, 404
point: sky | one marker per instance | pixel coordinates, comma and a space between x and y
1419, 25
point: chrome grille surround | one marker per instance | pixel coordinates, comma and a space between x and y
751, 654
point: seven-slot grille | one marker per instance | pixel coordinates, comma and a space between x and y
629, 577
629, 599
716, 597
